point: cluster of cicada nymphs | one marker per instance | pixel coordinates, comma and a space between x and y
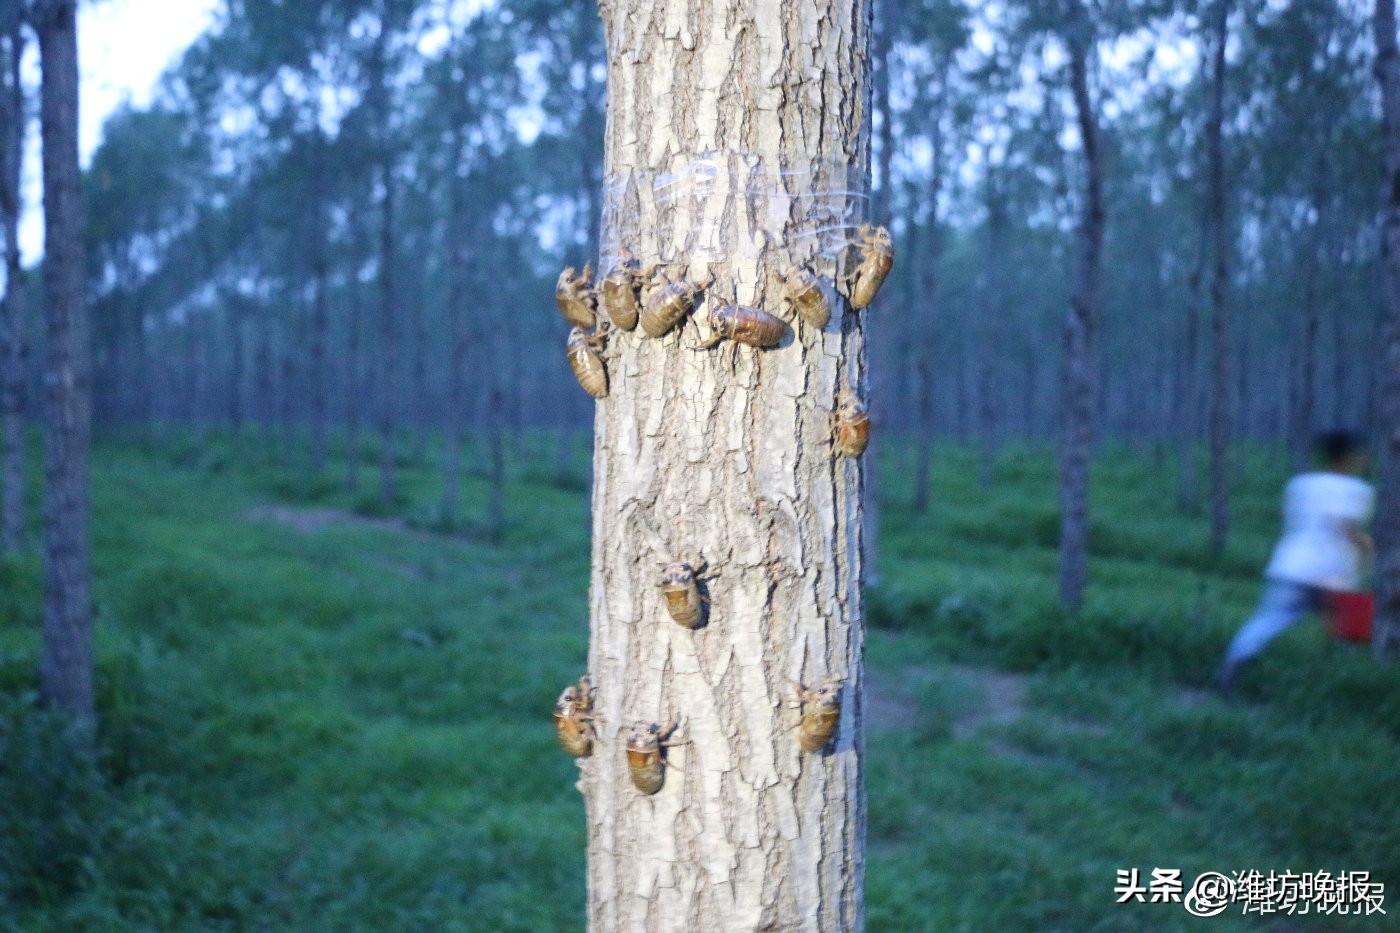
657, 302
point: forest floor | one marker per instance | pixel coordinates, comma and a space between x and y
321, 715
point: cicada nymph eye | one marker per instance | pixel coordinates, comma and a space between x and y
850, 426
821, 714
666, 305
573, 718
584, 352
804, 292
749, 326
681, 591
618, 293
575, 297
646, 755
877, 257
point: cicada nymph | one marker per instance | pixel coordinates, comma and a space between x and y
618, 293
749, 326
680, 587
575, 297
850, 426
876, 258
805, 293
584, 358
666, 304
646, 755
821, 714
573, 718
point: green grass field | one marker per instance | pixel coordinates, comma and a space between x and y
315, 718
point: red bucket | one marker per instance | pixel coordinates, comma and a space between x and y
1349, 615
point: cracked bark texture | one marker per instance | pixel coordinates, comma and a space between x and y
726, 455
1387, 525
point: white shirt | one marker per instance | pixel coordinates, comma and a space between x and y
1317, 510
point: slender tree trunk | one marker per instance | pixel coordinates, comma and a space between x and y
728, 455
496, 493
1189, 413
388, 346
320, 315
1078, 380
1307, 350
65, 668
235, 372
354, 375
1387, 628
923, 463
1220, 323
454, 425
13, 324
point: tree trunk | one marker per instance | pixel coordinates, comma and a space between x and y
354, 337
13, 325
235, 370
1307, 350
1387, 628
1078, 386
923, 463
387, 394
65, 671
320, 315
728, 455
455, 423
1189, 413
1220, 322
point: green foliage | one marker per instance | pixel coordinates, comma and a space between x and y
343, 723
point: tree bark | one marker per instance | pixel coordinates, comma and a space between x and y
1220, 308
455, 423
320, 312
65, 669
1387, 627
13, 324
727, 455
234, 310
1079, 374
387, 394
354, 337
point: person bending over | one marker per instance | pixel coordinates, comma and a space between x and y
1324, 517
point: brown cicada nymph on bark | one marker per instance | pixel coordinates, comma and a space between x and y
585, 360
680, 587
666, 304
804, 292
850, 426
573, 718
646, 753
575, 297
618, 294
821, 714
877, 257
749, 326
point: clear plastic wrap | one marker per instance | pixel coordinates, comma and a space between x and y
709, 206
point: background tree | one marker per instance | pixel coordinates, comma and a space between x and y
66, 662
1387, 636
13, 323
